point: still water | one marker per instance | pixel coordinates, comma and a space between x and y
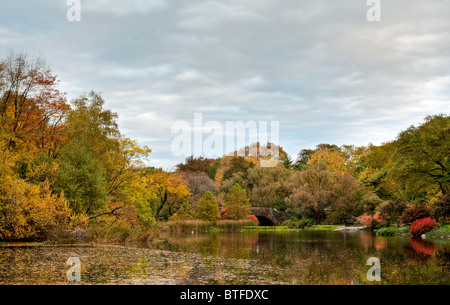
270, 258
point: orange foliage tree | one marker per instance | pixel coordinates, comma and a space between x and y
31, 106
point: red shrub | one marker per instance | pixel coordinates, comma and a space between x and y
422, 226
366, 219
224, 214
253, 218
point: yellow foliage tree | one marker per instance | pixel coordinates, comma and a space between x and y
334, 160
163, 188
31, 212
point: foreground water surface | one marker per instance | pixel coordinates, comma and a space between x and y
271, 258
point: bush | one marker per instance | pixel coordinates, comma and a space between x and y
33, 212
441, 232
441, 208
123, 233
414, 212
403, 230
296, 214
374, 221
422, 226
392, 210
254, 219
387, 231
391, 231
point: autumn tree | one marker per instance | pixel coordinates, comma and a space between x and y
392, 210
30, 211
164, 190
198, 183
31, 106
312, 190
195, 165
119, 159
32, 114
237, 165
440, 209
334, 160
304, 156
416, 211
347, 197
268, 185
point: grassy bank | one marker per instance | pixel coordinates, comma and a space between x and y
393, 231
200, 226
442, 232
266, 228
324, 227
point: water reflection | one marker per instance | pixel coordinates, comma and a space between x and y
302, 257
423, 246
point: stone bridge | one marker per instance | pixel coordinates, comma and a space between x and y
270, 217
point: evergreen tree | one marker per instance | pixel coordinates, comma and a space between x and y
237, 203
208, 209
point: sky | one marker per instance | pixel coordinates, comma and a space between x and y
319, 68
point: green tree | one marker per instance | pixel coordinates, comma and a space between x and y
374, 171
237, 203
287, 162
370, 201
81, 179
89, 121
422, 158
302, 158
208, 208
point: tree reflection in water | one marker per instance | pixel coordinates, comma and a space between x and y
302, 257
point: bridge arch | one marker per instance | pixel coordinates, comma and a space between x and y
265, 222
269, 217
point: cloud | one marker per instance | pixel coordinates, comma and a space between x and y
318, 67
123, 8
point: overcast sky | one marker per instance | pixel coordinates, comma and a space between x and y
320, 68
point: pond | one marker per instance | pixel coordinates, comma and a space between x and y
241, 258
